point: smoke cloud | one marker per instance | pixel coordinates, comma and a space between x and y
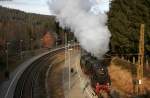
89, 29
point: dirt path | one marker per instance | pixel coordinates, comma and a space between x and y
54, 79
58, 78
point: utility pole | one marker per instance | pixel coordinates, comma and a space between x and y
7, 54
7, 60
69, 63
139, 84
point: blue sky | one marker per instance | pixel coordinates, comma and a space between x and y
41, 6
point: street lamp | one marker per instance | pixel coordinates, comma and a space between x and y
69, 49
56, 43
69, 81
21, 41
73, 45
41, 43
31, 43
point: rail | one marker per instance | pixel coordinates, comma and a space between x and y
14, 82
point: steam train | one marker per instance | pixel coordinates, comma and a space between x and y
97, 70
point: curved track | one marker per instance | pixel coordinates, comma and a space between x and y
32, 82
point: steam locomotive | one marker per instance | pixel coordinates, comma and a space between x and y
97, 70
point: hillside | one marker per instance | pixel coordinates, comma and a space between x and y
16, 25
24, 25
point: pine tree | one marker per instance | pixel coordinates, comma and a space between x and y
124, 19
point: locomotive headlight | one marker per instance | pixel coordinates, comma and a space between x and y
108, 84
70, 49
101, 69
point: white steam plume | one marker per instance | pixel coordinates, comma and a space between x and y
90, 29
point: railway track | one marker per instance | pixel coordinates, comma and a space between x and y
29, 85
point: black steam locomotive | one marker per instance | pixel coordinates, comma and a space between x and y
97, 70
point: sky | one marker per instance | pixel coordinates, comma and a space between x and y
41, 6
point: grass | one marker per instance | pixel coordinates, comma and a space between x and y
122, 74
124, 65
